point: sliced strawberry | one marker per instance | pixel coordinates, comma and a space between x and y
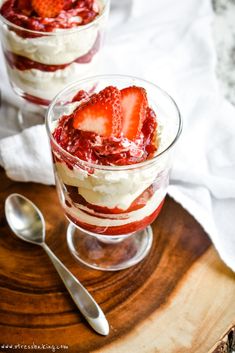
48, 8
134, 105
102, 114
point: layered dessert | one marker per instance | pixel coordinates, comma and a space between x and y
104, 150
48, 44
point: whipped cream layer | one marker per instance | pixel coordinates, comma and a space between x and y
51, 49
80, 213
45, 84
107, 188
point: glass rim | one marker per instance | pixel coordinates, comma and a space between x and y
64, 30
114, 167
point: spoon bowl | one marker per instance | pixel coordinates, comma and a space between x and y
27, 222
25, 219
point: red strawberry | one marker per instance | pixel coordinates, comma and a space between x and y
134, 105
102, 114
48, 8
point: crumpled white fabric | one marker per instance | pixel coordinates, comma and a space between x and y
168, 43
27, 156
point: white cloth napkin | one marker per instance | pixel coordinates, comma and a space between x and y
169, 43
27, 156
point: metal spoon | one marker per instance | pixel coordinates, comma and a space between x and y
27, 222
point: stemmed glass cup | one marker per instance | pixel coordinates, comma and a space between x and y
110, 208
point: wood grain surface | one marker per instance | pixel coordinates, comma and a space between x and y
179, 299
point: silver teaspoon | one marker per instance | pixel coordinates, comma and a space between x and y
27, 222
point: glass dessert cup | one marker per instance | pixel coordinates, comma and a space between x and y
110, 208
40, 64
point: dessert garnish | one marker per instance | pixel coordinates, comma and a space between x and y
48, 8
101, 114
112, 127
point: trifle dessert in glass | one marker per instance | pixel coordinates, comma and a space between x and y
112, 140
49, 44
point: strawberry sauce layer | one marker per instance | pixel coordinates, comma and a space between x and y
36, 100
138, 203
22, 63
48, 15
119, 230
116, 141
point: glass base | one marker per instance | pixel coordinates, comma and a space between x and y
109, 253
30, 114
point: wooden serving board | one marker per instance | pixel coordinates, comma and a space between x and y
179, 299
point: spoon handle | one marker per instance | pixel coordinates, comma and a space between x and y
84, 301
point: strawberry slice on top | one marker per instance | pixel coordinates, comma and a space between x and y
102, 114
48, 8
134, 106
